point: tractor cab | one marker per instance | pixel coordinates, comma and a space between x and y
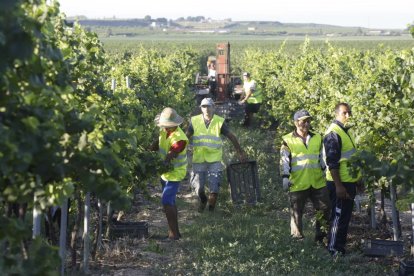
224, 88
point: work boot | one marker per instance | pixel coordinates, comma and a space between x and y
212, 199
202, 206
170, 213
203, 202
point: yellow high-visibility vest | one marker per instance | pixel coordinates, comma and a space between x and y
256, 96
348, 149
305, 164
207, 144
180, 162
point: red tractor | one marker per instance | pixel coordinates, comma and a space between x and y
220, 85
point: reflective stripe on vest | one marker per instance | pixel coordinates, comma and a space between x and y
304, 157
179, 163
180, 160
347, 151
207, 144
256, 96
201, 140
305, 168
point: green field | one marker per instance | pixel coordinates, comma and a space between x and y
206, 44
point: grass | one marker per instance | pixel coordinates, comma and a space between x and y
154, 247
253, 241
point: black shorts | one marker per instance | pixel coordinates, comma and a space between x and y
252, 108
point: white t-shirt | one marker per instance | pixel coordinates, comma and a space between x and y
249, 85
211, 73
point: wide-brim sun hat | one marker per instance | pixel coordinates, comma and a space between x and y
168, 118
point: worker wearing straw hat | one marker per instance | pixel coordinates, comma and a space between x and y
173, 149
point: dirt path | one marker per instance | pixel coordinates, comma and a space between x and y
131, 256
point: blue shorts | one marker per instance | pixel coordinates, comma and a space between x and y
169, 191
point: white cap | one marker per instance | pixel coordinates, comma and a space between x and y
207, 101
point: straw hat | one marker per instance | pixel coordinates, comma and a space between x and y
168, 118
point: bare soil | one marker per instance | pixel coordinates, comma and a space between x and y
133, 256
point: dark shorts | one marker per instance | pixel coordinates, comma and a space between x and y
252, 108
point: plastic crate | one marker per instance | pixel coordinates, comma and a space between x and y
406, 268
131, 229
230, 109
383, 248
244, 182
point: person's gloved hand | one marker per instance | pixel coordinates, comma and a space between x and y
286, 184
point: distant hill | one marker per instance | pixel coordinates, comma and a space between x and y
148, 26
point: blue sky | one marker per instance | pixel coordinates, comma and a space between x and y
365, 13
